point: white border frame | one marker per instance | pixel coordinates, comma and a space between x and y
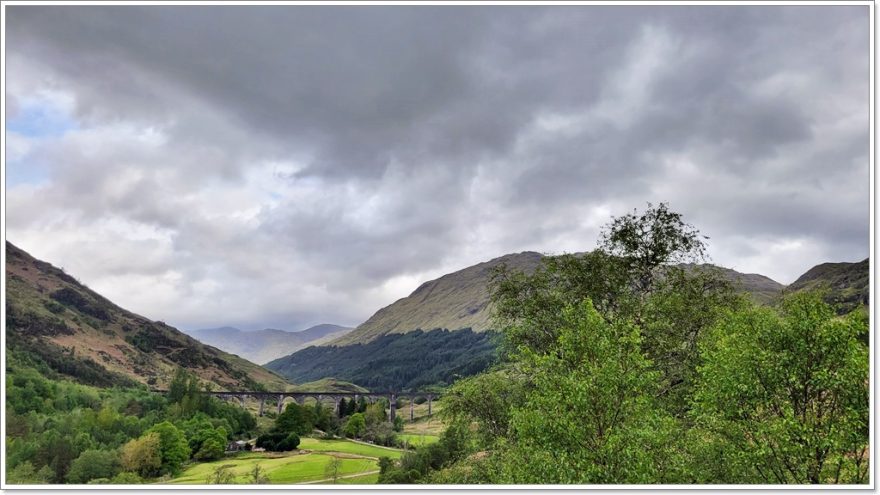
467, 488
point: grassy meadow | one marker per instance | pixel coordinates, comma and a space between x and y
305, 465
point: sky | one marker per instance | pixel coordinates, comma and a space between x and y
283, 166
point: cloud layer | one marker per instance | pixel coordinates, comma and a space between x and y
284, 166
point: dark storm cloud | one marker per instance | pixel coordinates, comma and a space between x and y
314, 162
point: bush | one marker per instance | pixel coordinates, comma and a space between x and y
93, 464
278, 441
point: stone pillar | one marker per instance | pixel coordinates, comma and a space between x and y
429, 404
241, 401
336, 406
393, 405
280, 403
299, 399
412, 406
262, 404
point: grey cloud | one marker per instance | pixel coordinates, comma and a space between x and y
417, 139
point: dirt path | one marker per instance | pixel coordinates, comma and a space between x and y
356, 475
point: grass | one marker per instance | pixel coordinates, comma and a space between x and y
297, 467
367, 479
347, 447
417, 439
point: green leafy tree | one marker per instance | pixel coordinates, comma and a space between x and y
590, 417
93, 464
485, 400
355, 427
212, 448
296, 419
221, 475
173, 447
333, 468
656, 238
143, 455
785, 394
258, 476
126, 478
25, 474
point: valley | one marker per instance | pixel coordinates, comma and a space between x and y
440, 346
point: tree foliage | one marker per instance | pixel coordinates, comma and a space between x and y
786, 394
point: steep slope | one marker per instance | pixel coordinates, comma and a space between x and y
461, 300
397, 361
454, 301
846, 284
262, 346
53, 318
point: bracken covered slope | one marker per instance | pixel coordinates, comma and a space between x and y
454, 301
78, 333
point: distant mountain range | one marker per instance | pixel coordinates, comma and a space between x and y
262, 346
460, 300
60, 324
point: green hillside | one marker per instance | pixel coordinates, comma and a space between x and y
79, 333
409, 361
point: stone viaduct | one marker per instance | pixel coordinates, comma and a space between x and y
300, 397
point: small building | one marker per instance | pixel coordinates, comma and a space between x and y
237, 446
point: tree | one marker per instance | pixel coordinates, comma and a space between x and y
142, 455
221, 475
296, 419
355, 426
645, 242
93, 464
590, 417
258, 475
332, 468
173, 447
485, 400
634, 275
126, 478
212, 448
375, 414
25, 474
785, 393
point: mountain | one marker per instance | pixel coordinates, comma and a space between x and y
454, 301
61, 325
396, 361
846, 285
461, 300
262, 346
761, 289
402, 345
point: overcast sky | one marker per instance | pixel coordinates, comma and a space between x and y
285, 166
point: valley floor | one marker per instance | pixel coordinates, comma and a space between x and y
359, 464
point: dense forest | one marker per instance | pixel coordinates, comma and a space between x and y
620, 367
59, 431
398, 362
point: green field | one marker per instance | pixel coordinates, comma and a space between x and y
348, 447
416, 439
296, 467
367, 479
